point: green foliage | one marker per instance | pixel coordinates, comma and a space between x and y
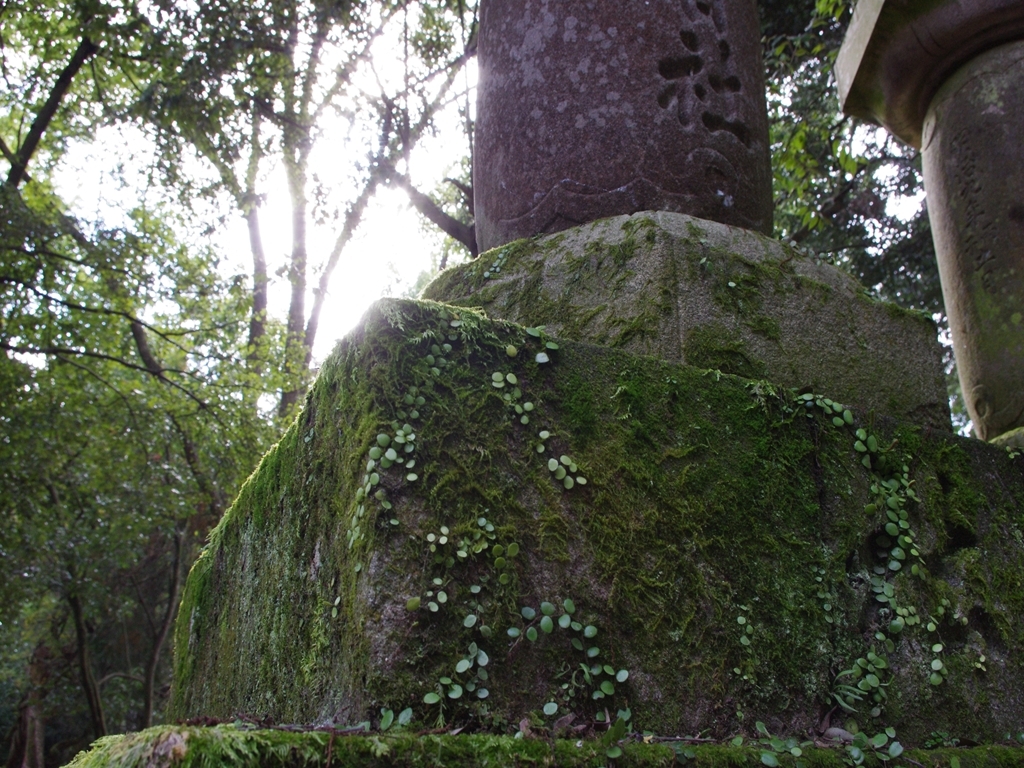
245, 747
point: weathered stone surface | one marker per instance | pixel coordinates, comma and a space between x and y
709, 498
897, 53
974, 174
592, 109
713, 296
1012, 439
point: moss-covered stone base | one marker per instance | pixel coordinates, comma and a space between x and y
239, 747
454, 525
713, 296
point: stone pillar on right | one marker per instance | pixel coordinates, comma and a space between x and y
948, 78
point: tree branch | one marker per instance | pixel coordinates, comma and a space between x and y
86, 49
464, 233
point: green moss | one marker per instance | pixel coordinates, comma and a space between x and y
243, 747
708, 497
716, 348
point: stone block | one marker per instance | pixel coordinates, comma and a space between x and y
713, 296
732, 550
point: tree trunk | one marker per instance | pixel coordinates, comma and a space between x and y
258, 319
26, 739
295, 346
251, 209
158, 641
92, 691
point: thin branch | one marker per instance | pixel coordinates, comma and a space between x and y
111, 675
353, 217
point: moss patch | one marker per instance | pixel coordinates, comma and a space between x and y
697, 498
646, 283
242, 747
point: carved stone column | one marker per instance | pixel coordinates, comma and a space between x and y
948, 77
591, 109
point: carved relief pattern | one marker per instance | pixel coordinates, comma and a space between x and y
700, 86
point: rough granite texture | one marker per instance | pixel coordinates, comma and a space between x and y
714, 296
592, 109
726, 553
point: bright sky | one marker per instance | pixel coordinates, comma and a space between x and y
391, 248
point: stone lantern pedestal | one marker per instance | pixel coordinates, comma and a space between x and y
948, 78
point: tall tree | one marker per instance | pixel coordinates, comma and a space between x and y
303, 86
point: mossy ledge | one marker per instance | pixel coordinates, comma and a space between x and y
241, 747
694, 291
708, 497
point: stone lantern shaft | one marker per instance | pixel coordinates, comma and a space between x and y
593, 108
948, 77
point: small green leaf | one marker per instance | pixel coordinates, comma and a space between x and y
531, 634
455, 691
608, 688
590, 631
550, 708
528, 613
463, 665
769, 759
622, 675
431, 698
412, 604
469, 621
547, 625
513, 549
569, 605
514, 632
405, 716
548, 609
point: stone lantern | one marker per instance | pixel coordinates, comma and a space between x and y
947, 77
